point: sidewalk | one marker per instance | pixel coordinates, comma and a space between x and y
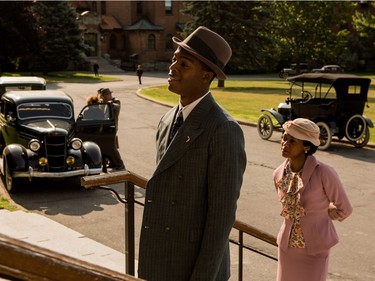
43, 232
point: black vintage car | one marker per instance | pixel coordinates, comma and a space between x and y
39, 139
335, 102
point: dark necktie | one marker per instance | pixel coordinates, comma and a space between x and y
176, 125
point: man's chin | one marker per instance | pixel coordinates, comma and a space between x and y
172, 89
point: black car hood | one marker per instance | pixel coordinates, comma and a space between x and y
49, 126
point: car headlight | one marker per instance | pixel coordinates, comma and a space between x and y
70, 160
34, 145
76, 143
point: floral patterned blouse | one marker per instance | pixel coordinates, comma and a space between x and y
289, 187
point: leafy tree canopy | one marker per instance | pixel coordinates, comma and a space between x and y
244, 24
18, 31
312, 31
39, 35
62, 44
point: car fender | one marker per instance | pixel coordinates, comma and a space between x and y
368, 121
16, 157
92, 153
274, 113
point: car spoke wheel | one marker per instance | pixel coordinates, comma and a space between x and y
11, 184
265, 127
325, 135
355, 128
362, 141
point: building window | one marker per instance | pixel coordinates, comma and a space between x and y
112, 42
169, 42
168, 7
94, 7
139, 8
103, 7
151, 42
123, 42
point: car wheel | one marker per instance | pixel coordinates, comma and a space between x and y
362, 141
265, 126
325, 135
11, 184
355, 128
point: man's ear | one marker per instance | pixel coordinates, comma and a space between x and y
208, 75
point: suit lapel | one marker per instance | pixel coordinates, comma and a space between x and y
187, 135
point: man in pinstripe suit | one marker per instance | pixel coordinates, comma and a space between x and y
191, 198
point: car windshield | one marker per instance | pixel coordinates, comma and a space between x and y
317, 90
44, 110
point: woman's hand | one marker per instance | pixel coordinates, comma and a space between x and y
334, 213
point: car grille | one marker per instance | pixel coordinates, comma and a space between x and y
55, 147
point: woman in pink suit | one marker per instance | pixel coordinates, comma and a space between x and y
311, 195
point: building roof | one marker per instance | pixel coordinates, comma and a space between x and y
109, 23
144, 24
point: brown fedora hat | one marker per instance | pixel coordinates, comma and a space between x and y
209, 47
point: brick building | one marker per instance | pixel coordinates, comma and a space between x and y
131, 32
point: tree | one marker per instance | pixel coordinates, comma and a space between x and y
20, 36
244, 24
364, 24
312, 31
62, 39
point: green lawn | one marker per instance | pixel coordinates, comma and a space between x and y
244, 99
68, 77
5, 204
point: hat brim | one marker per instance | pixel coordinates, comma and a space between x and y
219, 72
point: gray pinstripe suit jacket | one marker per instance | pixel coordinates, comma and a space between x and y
191, 198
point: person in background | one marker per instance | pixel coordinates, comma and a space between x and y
96, 69
191, 198
105, 95
311, 195
139, 72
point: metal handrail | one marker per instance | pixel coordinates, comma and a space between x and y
130, 180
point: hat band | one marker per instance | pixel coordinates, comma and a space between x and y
204, 50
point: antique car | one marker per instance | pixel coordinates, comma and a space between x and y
331, 68
22, 83
294, 70
38, 139
335, 102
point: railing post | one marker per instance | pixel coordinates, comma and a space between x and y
129, 229
240, 256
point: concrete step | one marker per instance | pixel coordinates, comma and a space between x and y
106, 66
43, 232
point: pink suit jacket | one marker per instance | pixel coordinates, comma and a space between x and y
321, 185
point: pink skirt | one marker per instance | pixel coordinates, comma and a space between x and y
295, 265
